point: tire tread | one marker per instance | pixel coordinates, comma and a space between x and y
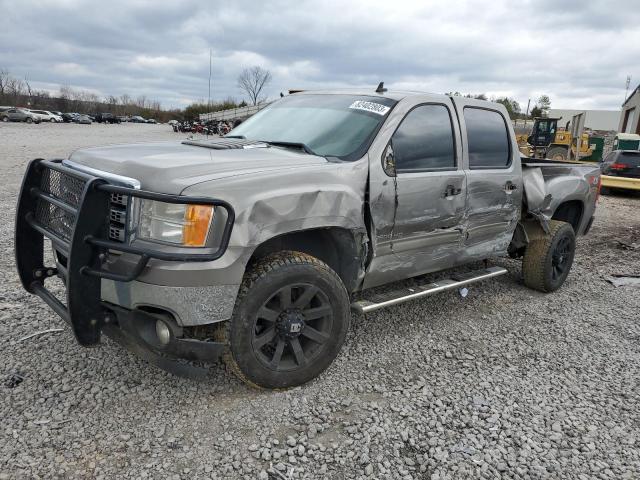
255, 272
536, 255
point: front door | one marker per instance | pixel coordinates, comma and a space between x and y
429, 186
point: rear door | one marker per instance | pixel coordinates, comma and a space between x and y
494, 178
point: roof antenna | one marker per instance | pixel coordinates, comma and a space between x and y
381, 88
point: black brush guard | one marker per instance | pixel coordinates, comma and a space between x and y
85, 243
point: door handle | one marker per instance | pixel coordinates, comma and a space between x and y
510, 187
450, 191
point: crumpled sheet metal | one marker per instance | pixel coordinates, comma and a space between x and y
317, 196
537, 198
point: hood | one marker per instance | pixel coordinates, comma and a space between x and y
170, 167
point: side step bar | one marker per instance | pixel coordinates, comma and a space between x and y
376, 302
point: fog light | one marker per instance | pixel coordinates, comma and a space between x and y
163, 332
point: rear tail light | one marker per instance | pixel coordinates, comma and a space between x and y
618, 166
598, 188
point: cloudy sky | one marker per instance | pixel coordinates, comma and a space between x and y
577, 52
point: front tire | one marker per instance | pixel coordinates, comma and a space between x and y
29, 120
559, 154
548, 260
290, 320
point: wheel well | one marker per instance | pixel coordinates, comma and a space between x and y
339, 248
570, 212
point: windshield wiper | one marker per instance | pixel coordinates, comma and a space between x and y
301, 146
235, 136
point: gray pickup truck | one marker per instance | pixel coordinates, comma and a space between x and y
258, 246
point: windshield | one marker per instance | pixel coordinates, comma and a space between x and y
328, 125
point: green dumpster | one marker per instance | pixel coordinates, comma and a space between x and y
597, 144
626, 141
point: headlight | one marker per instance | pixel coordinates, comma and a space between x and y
186, 225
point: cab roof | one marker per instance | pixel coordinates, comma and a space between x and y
392, 94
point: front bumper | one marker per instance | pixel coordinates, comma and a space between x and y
135, 331
191, 306
76, 221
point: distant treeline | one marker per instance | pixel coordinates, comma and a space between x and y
17, 92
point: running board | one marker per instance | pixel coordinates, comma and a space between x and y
395, 297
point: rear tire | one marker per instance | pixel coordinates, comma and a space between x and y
29, 120
5, 119
548, 260
558, 154
290, 320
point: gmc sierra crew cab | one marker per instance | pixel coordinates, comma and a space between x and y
257, 247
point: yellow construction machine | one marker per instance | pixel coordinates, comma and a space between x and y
546, 140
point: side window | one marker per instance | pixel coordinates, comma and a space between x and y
424, 140
488, 139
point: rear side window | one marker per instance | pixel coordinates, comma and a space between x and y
487, 138
424, 140
630, 158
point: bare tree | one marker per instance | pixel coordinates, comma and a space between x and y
141, 101
4, 79
14, 89
252, 81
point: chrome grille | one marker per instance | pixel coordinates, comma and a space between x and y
118, 216
69, 190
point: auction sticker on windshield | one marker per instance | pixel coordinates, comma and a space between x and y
370, 107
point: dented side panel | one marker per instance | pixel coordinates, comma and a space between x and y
276, 203
416, 224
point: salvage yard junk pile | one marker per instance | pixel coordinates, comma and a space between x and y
255, 247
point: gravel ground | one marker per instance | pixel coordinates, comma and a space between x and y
505, 383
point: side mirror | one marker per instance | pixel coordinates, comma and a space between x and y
389, 161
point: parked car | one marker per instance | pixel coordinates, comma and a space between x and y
137, 119
83, 119
68, 117
106, 118
173, 122
123, 118
620, 170
257, 246
19, 115
55, 112
5, 108
151, 120
46, 116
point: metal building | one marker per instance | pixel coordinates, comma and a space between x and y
630, 113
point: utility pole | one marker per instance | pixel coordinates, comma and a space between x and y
626, 89
209, 102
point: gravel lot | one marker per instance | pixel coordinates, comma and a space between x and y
506, 383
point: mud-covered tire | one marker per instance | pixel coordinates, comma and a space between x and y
261, 306
548, 259
557, 153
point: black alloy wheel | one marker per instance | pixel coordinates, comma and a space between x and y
291, 317
291, 327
